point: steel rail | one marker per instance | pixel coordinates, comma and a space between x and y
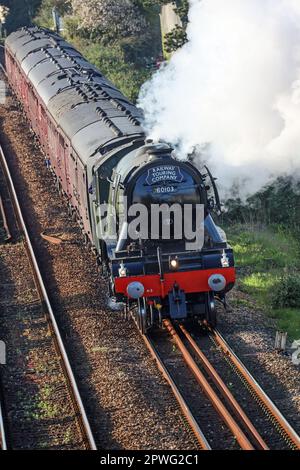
3, 441
69, 375
286, 429
1, 65
4, 219
230, 422
211, 371
184, 407
181, 401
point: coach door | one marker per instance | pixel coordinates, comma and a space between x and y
67, 163
61, 161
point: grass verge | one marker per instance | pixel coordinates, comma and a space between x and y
264, 255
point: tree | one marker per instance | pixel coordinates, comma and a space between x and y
112, 18
182, 11
21, 12
152, 3
4, 11
44, 15
276, 203
175, 39
112, 62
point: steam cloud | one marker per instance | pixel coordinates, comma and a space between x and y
232, 93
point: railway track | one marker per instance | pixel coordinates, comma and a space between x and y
236, 420
249, 432
201, 439
3, 435
267, 406
5, 234
182, 437
70, 382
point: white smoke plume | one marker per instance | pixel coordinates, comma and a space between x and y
233, 91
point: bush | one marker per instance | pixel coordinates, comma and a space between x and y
111, 61
21, 13
175, 39
44, 15
110, 18
277, 203
286, 293
121, 55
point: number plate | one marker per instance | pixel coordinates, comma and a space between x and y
165, 189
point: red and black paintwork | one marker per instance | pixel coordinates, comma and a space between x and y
191, 282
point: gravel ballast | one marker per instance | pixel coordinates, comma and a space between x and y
251, 334
128, 402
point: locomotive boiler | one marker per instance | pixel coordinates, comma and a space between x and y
104, 166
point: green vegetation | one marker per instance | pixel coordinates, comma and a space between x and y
120, 38
21, 13
113, 64
44, 15
269, 271
265, 234
177, 37
277, 203
288, 320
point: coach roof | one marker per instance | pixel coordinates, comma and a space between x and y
83, 103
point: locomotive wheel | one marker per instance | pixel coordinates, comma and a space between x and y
211, 312
142, 316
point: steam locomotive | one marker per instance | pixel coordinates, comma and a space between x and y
95, 146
